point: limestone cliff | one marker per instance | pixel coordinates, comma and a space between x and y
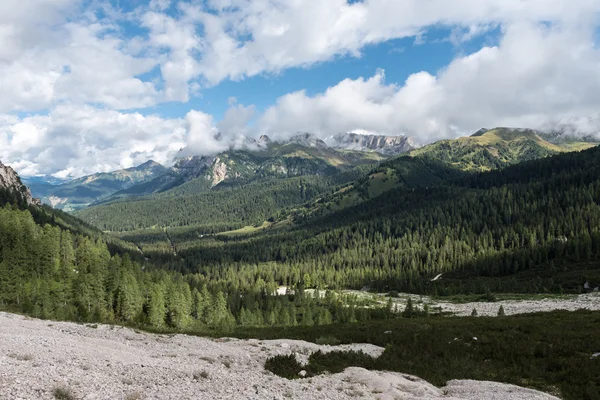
11, 181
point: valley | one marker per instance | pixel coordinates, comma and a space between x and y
493, 236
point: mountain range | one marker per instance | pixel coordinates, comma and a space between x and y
303, 154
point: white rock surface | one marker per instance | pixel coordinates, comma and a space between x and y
108, 362
589, 301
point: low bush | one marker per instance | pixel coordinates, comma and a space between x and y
63, 393
328, 340
284, 366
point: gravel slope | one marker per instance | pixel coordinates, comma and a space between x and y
107, 362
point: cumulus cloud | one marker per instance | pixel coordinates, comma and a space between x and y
242, 38
74, 141
80, 66
539, 76
51, 53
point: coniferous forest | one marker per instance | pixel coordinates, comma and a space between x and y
532, 227
529, 228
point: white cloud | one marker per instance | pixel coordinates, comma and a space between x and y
80, 65
540, 75
52, 53
74, 141
242, 38
202, 136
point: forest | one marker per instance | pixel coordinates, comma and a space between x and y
531, 228
49, 272
527, 228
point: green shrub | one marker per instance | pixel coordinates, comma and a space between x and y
284, 366
337, 361
328, 340
63, 393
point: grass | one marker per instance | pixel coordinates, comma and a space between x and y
544, 351
247, 230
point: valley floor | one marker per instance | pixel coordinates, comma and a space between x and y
112, 362
512, 304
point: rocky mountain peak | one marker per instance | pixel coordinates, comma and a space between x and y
386, 145
149, 164
11, 181
264, 139
308, 140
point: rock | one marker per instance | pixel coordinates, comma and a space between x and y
168, 363
11, 181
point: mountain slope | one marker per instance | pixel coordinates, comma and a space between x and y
536, 222
230, 205
444, 161
12, 186
80, 192
496, 148
302, 155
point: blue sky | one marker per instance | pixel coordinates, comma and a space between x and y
399, 58
95, 86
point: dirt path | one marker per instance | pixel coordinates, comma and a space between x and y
106, 362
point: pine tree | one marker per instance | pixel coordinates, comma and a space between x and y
409, 310
156, 308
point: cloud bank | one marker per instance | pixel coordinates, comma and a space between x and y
78, 82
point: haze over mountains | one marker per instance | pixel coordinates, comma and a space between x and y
302, 154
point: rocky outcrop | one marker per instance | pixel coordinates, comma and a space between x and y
219, 172
111, 362
11, 181
308, 140
192, 167
386, 145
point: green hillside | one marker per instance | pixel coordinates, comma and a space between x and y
193, 175
496, 148
230, 204
83, 191
524, 220
447, 159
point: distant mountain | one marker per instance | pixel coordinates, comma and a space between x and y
436, 163
301, 155
386, 145
11, 184
496, 148
80, 192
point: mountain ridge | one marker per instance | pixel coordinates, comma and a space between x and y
10, 180
299, 155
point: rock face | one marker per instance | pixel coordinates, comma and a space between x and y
387, 145
308, 140
11, 181
112, 362
192, 167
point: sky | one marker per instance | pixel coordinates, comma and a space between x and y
91, 85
